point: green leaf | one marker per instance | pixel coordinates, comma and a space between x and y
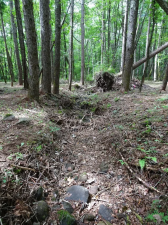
142, 163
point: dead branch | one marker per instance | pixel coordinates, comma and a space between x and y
136, 176
23, 168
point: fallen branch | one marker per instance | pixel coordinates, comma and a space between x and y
136, 176
23, 168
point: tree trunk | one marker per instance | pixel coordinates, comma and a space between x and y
124, 35
14, 32
71, 46
32, 49
109, 28
21, 42
45, 42
10, 65
141, 61
130, 43
102, 35
82, 42
165, 80
148, 43
57, 45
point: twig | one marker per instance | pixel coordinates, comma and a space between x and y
62, 23
135, 175
23, 168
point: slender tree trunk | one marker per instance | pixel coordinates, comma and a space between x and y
82, 42
21, 42
65, 57
10, 65
130, 43
124, 35
148, 43
109, 28
57, 45
31, 37
156, 57
102, 35
71, 46
14, 32
45, 41
158, 50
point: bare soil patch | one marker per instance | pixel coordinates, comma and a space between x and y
85, 129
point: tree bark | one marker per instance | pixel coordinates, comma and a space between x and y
141, 61
82, 42
130, 43
148, 42
10, 65
45, 42
57, 45
21, 42
164, 5
165, 80
71, 46
32, 49
124, 35
14, 32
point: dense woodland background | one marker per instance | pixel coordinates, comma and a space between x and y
74, 39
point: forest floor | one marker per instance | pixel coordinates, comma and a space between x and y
115, 143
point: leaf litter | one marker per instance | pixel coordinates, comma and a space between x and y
87, 131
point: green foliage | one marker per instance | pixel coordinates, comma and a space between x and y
156, 215
64, 215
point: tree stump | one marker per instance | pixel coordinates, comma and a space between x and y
105, 81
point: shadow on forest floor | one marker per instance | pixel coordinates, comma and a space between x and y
111, 142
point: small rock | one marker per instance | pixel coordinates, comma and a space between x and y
24, 121
77, 193
56, 207
93, 190
69, 166
9, 117
68, 207
89, 217
42, 211
104, 167
38, 194
66, 218
83, 177
105, 212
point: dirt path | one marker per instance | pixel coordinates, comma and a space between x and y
78, 138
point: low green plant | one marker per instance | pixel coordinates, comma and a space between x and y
116, 99
148, 130
108, 105
17, 155
142, 162
155, 215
